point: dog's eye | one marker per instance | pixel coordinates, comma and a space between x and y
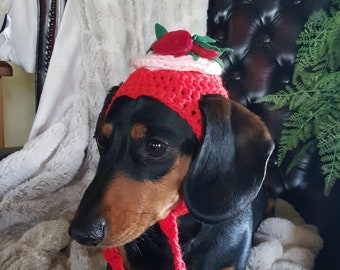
156, 148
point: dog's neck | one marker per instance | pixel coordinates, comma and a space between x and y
169, 228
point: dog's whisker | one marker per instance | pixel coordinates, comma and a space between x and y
133, 247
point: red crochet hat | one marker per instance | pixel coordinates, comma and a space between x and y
179, 70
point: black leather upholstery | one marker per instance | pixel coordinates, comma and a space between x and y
263, 36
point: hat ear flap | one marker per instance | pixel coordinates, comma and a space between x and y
229, 169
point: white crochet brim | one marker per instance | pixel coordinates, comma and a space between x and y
180, 63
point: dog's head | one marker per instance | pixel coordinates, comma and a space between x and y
170, 133
150, 159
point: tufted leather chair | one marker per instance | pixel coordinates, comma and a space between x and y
263, 36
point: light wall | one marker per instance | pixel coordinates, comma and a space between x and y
19, 106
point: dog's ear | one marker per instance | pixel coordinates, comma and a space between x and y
229, 169
107, 101
101, 139
103, 113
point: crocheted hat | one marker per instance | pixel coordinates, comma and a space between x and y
178, 70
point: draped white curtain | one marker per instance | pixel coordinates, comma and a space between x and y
19, 37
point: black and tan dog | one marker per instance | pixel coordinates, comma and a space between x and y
150, 159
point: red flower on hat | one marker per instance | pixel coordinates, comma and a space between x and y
204, 52
180, 42
176, 43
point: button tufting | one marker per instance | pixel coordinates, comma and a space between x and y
266, 38
236, 75
285, 78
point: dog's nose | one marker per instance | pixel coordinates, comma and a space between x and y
88, 233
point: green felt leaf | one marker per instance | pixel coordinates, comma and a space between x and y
208, 43
194, 55
160, 30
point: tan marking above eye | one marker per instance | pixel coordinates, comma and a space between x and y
138, 131
106, 130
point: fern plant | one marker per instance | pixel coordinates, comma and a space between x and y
313, 97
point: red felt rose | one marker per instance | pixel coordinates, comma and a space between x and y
204, 52
176, 43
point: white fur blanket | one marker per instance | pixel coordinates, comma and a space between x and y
41, 185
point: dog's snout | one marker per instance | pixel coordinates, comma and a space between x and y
88, 233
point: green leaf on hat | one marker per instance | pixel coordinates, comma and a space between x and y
160, 30
219, 61
203, 39
194, 55
207, 42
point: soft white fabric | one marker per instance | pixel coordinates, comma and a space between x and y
19, 39
41, 185
285, 242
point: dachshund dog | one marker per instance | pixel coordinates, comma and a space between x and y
150, 160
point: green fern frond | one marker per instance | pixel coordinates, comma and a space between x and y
303, 151
329, 151
306, 80
278, 100
336, 3
295, 130
328, 83
312, 42
299, 100
313, 97
333, 58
